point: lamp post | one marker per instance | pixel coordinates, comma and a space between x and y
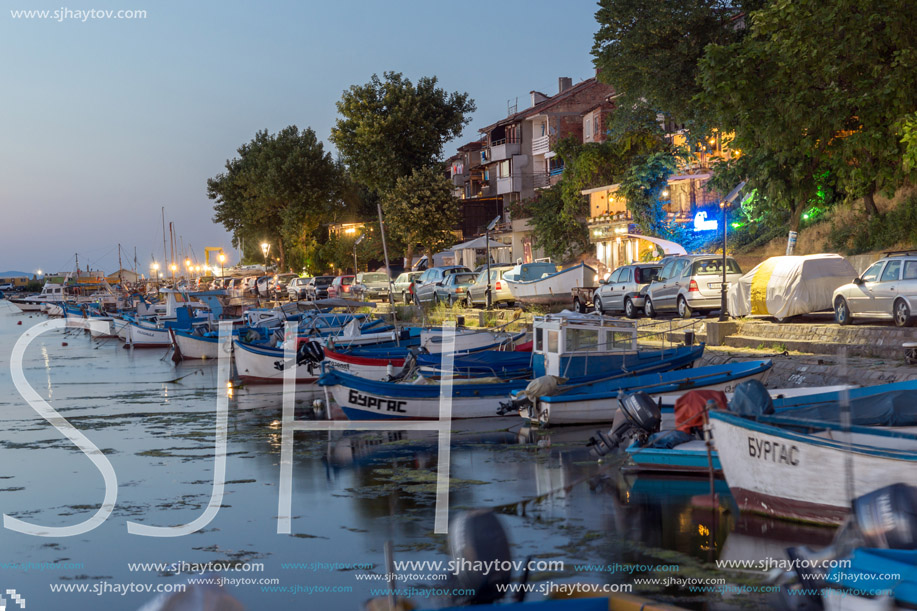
222, 259
724, 313
154, 274
265, 248
173, 267
488, 297
358, 240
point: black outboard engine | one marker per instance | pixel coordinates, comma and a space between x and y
884, 518
310, 352
481, 556
637, 416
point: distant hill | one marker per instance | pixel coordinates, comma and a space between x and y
14, 274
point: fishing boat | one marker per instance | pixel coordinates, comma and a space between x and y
262, 364
692, 456
368, 367
595, 402
590, 347
804, 464
362, 399
470, 340
542, 283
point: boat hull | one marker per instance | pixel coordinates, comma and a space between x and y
367, 400
553, 289
364, 367
265, 365
195, 347
784, 474
142, 336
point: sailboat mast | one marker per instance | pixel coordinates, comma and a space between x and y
120, 268
163, 235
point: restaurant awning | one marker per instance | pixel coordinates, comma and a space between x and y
479, 243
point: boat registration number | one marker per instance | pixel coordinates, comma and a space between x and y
389, 405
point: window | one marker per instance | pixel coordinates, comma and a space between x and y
712, 267
645, 275
666, 271
891, 271
538, 339
872, 273
579, 340
503, 169
595, 125
614, 276
910, 270
552, 341
626, 275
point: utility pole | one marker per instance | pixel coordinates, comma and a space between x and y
388, 270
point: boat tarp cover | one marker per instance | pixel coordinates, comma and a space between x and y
788, 286
895, 408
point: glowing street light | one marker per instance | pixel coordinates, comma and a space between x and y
222, 259
265, 248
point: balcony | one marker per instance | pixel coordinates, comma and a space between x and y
510, 184
504, 149
541, 145
459, 180
541, 180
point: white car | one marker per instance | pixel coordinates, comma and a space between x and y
886, 290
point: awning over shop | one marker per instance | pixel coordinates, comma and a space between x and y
479, 243
669, 248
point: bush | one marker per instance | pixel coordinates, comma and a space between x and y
861, 234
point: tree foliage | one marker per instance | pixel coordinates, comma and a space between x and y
649, 51
279, 189
390, 127
817, 87
421, 212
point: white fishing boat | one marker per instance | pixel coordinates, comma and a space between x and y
597, 402
542, 283
51, 291
470, 340
807, 469
194, 345
263, 364
371, 368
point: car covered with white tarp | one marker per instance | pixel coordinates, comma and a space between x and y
789, 286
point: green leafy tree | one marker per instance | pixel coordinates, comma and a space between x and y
817, 87
279, 189
649, 51
389, 127
421, 212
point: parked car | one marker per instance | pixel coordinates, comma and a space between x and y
317, 287
263, 286
429, 287
688, 284
248, 285
624, 290
370, 285
279, 285
499, 290
404, 285
233, 287
340, 286
455, 288
296, 289
887, 289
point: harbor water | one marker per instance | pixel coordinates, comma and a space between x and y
352, 492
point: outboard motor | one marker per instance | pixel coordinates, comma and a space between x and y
409, 367
884, 518
310, 352
478, 542
637, 416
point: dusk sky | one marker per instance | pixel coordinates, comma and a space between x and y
105, 121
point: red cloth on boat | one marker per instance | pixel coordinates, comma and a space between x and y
526, 347
689, 408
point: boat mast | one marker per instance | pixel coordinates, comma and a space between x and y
163, 235
120, 268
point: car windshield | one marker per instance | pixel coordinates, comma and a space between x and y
375, 277
711, 267
347, 280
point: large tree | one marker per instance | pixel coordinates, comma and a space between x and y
649, 51
279, 189
818, 87
389, 127
421, 212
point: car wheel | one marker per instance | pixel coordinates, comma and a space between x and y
842, 312
684, 310
648, 308
598, 305
902, 314
630, 310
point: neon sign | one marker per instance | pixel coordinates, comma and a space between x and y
702, 224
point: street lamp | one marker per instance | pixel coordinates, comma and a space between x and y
265, 248
173, 267
358, 240
488, 298
724, 314
222, 259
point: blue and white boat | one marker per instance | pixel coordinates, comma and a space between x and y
596, 402
542, 283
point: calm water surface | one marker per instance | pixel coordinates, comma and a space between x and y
352, 492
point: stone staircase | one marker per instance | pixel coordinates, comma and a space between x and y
859, 340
